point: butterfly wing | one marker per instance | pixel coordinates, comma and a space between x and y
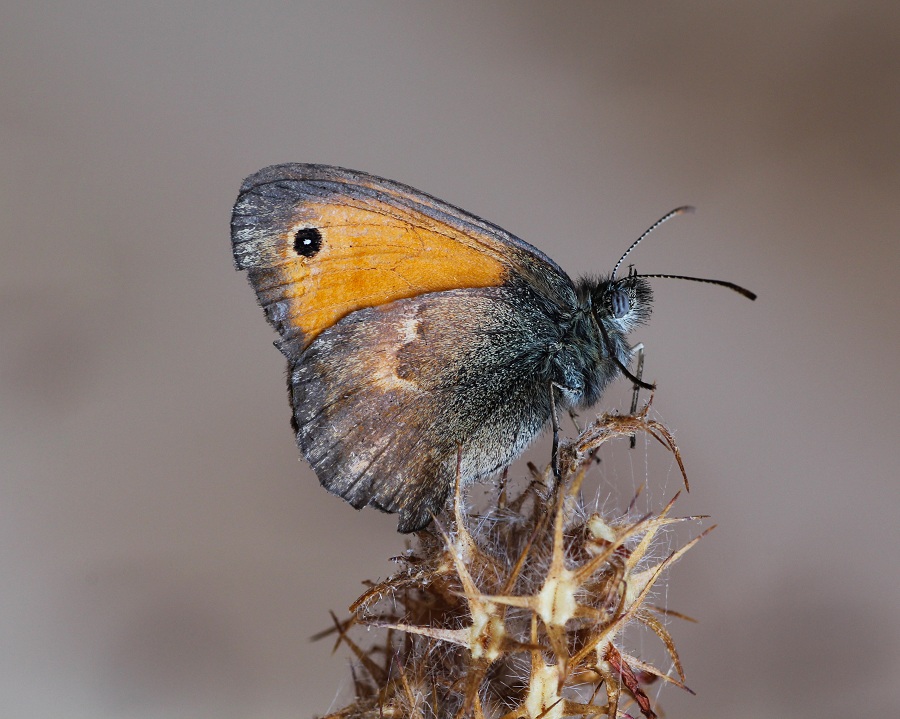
414, 331
320, 242
390, 398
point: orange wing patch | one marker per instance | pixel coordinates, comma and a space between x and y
361, 253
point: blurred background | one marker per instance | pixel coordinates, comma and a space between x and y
163, 551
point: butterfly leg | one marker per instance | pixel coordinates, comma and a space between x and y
501, 495
554, 419
639, 373
574, 418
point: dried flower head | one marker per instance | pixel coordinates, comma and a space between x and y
518, 612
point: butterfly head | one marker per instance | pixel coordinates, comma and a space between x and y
624, 302
619, 304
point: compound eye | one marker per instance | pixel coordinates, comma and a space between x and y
619, 303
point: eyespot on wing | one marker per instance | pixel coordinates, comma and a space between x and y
319, 243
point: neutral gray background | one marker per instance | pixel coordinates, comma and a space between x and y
164, 553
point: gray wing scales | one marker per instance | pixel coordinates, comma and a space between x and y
384, 399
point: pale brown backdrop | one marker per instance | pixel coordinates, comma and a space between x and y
164, 553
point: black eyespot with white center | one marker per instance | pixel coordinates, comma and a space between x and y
307, 241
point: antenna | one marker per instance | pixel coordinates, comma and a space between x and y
668, 216
722, 283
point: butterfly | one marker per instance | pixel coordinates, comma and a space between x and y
421, 340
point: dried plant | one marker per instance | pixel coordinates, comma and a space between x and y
519, 611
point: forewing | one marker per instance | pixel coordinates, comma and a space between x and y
320, 242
